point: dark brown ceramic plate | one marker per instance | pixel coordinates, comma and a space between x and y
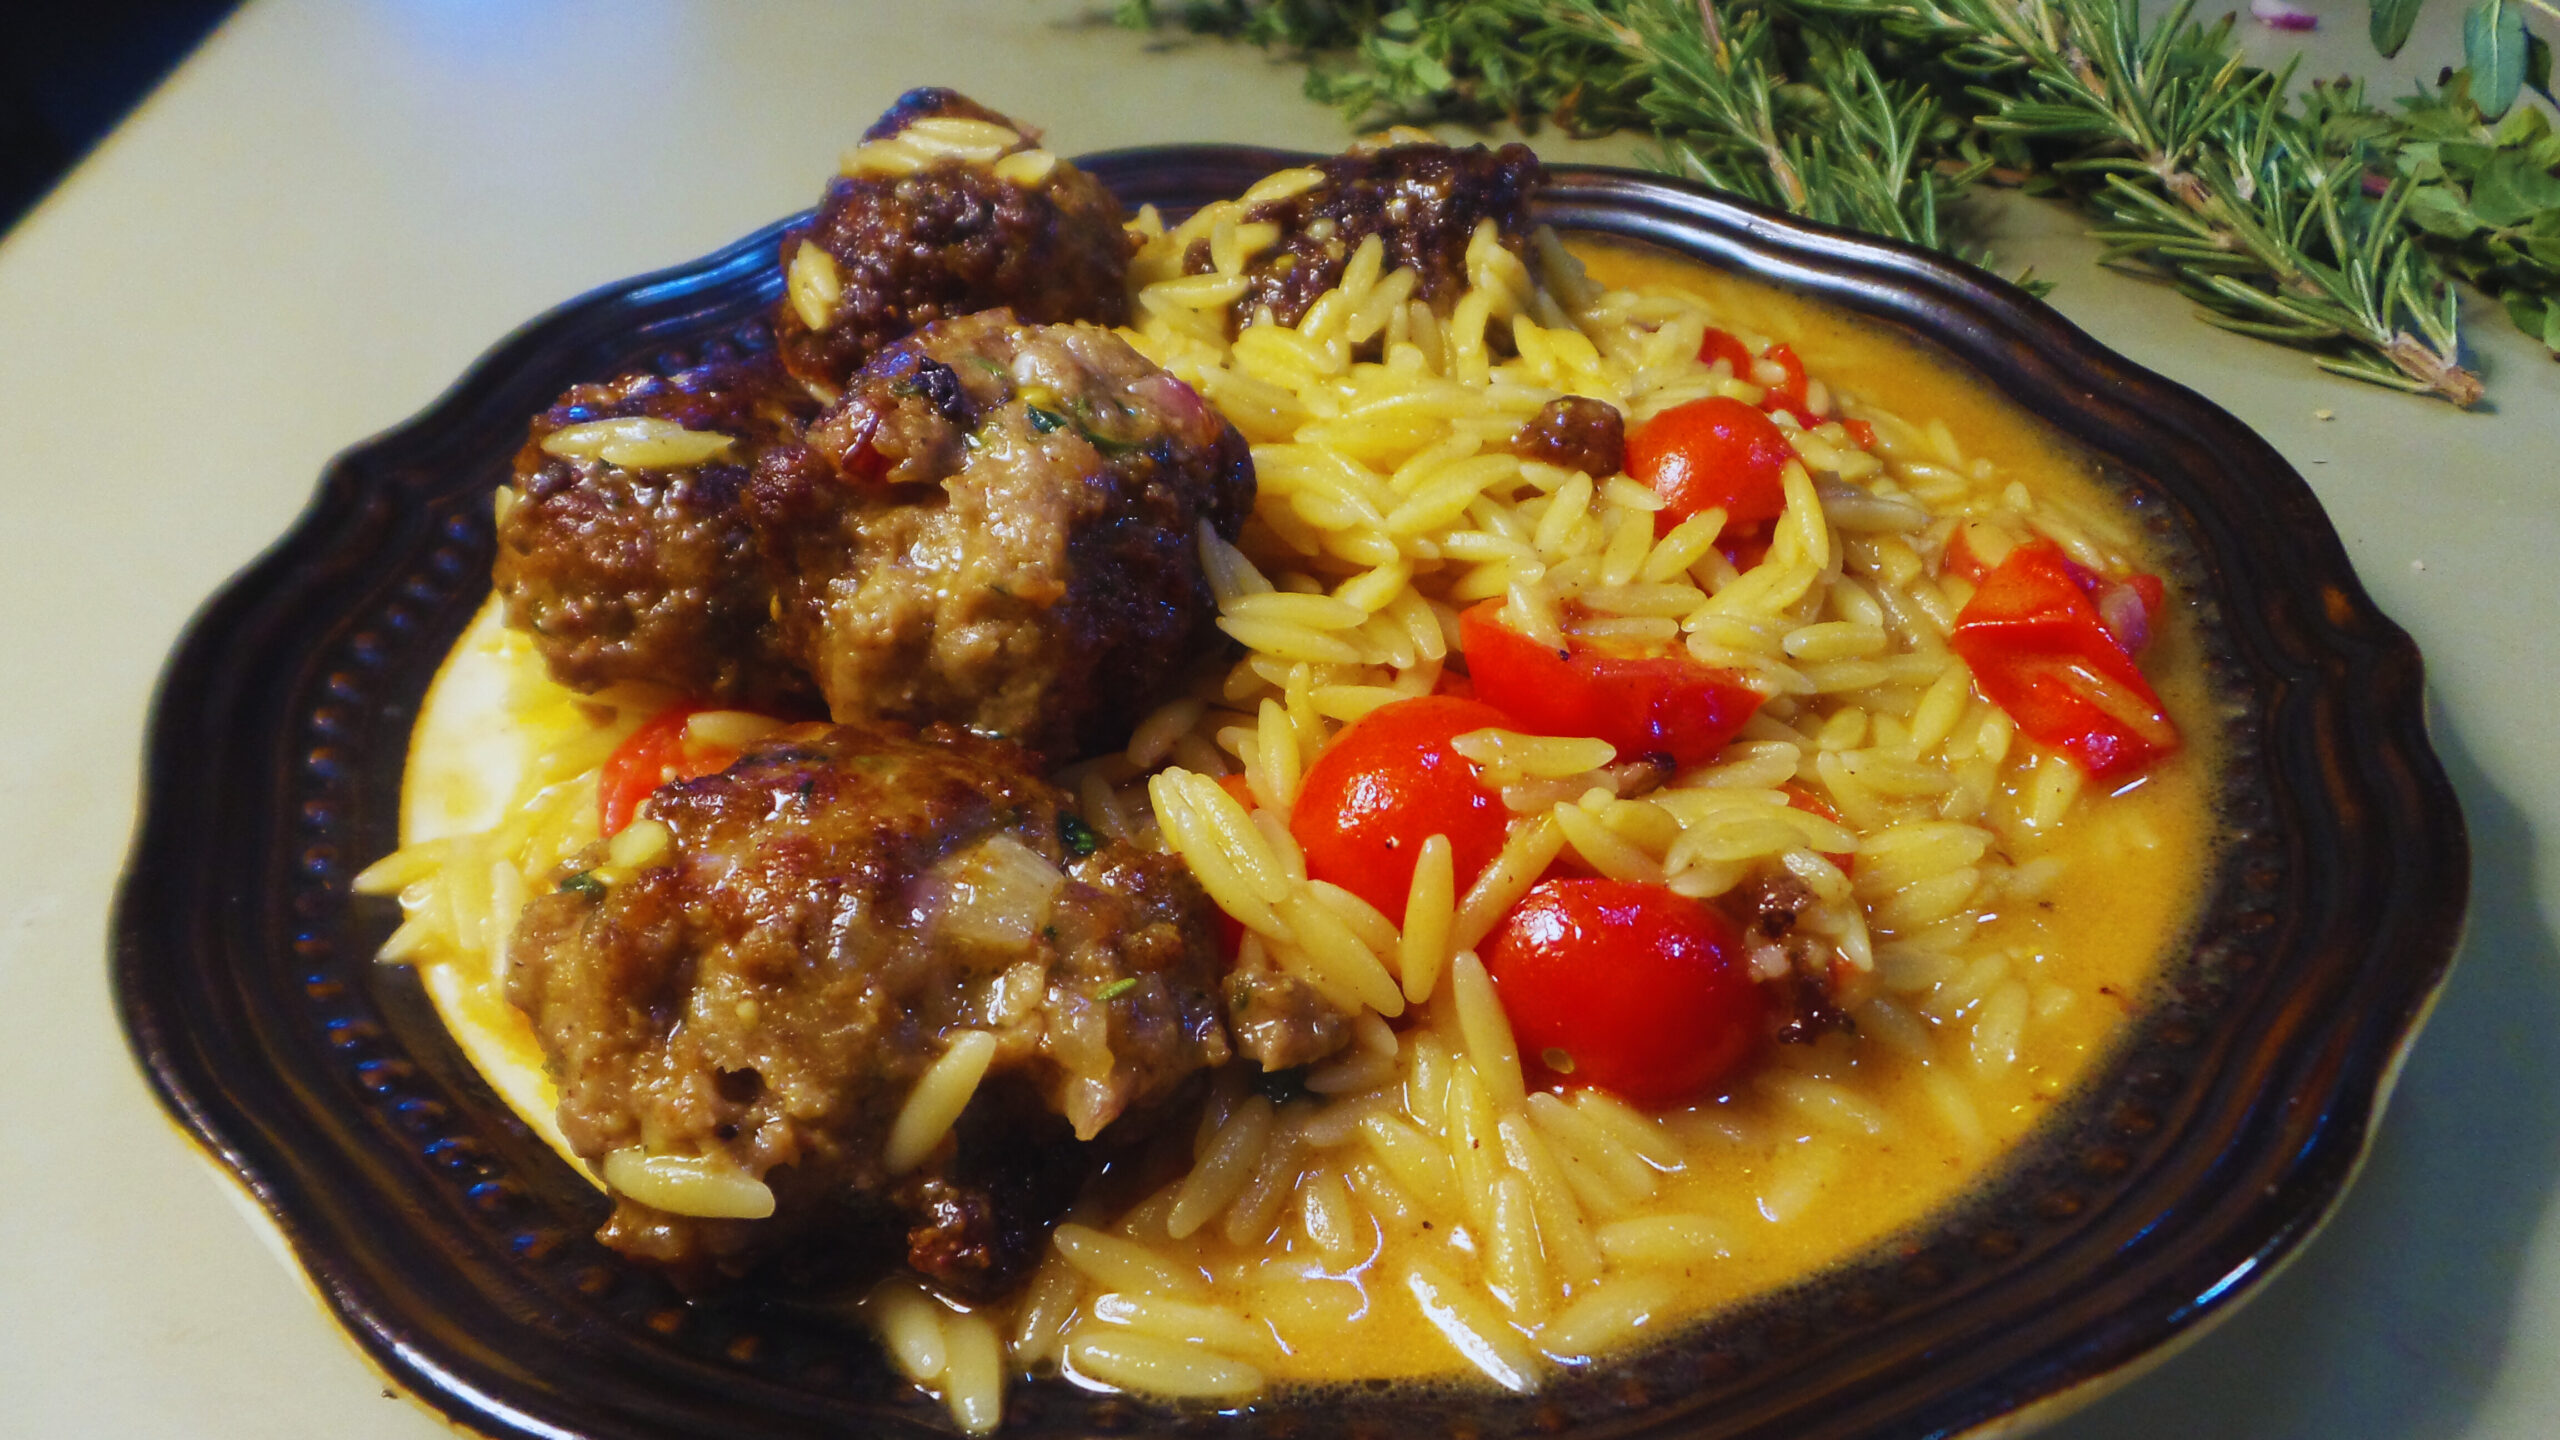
455, 1246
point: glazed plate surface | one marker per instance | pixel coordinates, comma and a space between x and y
455, 1247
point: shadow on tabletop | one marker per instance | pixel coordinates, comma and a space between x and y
2395, 1321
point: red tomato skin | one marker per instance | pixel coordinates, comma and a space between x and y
1389, 782
1788, 393
1861, 434
1721, 345
1642, 704
652, 755
1645, 990
2028, 624
638, 767
1708, 453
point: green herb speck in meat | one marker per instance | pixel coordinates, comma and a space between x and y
1077, 836
583, 883
1044, 421
1117, 988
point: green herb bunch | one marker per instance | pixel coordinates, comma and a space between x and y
2301, 214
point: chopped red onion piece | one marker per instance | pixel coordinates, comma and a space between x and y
2281, 15
2120, 610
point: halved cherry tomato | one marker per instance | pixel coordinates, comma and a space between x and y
1643, 704
1787, 394
1632, 988
1721, 345
1390, 782
2041, 651
1709, 453
653, 755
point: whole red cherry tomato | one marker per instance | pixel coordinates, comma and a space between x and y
656, 753
1632, 988
1709, 453
1389, 782
1644, 704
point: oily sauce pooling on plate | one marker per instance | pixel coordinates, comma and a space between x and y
945, 829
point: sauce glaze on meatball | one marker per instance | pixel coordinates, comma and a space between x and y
997, 525
822, 919
626, 554
914, 233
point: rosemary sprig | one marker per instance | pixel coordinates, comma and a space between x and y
2205, 168
2311, 219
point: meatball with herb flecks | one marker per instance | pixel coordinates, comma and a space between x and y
622, 546
946, 208
998, 526
745, 986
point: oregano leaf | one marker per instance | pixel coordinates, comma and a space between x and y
2390, 23
2493, 47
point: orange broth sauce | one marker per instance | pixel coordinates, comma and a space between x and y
2134, 865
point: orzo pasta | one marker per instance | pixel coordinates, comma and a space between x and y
1931, 917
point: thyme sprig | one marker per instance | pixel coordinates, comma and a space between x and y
2301, 215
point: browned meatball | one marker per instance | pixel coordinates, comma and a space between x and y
824, 919
1277, 1020
1423, 202
1577, 433
908, 246
997, 526
628, 564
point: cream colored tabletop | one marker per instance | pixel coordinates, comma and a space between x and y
309, 231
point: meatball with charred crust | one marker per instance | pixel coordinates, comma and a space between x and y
945, 209
998, 526
623, 548
752, 993
1423, 202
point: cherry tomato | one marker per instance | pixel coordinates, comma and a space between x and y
1390, 782
655, 754
1721, 345
1787, 394
1643, 704
2041, 651
1709, 453
1632, 988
